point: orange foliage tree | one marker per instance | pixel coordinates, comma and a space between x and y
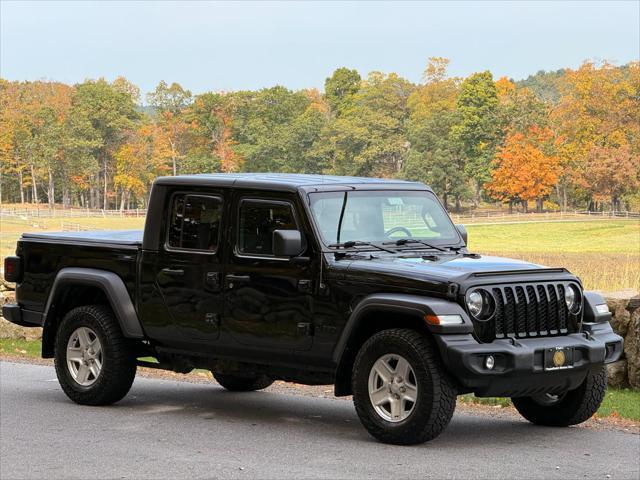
145, 155
523, 168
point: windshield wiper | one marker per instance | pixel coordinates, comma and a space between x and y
358, 243
404, 241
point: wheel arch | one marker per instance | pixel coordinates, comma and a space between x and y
74, 287
383, 311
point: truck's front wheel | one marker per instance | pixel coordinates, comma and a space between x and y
570, 408
94, 362
400, 391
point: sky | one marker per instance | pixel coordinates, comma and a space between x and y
220, 46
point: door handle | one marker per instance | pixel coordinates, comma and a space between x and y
237, 278
173, 271
232, 280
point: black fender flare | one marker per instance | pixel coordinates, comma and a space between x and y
417, 305
112, 286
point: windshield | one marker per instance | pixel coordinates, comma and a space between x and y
381, 216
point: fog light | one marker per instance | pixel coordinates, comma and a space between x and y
489, 362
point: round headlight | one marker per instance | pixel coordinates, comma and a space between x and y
481, 304
475, 302
571, 297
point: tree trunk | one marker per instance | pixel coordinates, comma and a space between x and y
66, 199
123, 199
458, 206
21, 180
51, 194
445, 200
34, 187
478, 195
104, 199
510, 207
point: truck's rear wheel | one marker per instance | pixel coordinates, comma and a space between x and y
94, 362
400, 391
235, 383
570, 408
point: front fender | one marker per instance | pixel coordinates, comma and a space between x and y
406, 304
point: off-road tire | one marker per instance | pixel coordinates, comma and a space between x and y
575, 406
235, 383
436, 397
118, 360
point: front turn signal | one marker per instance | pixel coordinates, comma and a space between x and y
443, 319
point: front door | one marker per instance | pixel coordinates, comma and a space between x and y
188, 268
268, 300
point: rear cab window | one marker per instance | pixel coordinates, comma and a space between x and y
194, 222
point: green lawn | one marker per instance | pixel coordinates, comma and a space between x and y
621, 403
598, 236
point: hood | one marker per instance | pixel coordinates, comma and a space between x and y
429, 271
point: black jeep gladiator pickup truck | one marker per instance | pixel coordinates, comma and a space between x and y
361, 283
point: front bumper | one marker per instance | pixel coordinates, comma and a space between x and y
519, 363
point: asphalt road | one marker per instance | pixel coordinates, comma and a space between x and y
169, 429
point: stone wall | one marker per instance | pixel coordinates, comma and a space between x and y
625, 308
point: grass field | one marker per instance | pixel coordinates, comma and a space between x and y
623, 403
605, 254
620, 403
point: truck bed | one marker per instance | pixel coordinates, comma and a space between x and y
45, 254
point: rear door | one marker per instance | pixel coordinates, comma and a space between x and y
188, 270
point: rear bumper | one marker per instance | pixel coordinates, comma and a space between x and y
25, 318
519, 364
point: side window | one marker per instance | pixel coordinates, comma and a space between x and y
258, 220
195, 222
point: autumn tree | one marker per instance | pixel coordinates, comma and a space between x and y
110, 112
171, 102
598, 112
523, 168
612, 173
140, 159
212, 143
436, 157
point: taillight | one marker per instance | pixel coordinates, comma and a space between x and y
12, 269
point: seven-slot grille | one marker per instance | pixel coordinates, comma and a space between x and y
530, 310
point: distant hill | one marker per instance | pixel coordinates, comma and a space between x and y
544, 84
147, 109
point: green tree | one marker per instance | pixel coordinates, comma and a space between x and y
340, 88
477, 130
370, 138
111, 112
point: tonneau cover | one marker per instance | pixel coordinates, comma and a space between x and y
121, 237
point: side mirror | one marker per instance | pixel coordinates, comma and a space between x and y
287, 243
463, 232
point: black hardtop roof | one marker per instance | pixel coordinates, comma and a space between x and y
286, 181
